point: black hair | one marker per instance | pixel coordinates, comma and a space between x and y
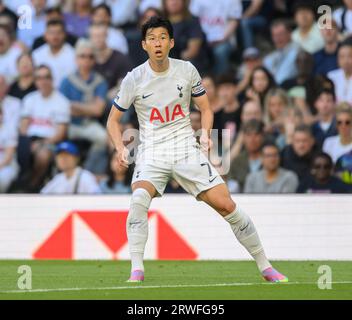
56, 22
53, 10
270, 144
102, 6
325, 156
326, 91
226, 78
156, 22
346, 43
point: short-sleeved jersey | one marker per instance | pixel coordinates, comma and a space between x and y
45, 113
162, 103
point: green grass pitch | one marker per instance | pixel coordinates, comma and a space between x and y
219, 280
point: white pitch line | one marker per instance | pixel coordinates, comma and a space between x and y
235, 284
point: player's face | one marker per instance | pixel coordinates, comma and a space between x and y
158, 44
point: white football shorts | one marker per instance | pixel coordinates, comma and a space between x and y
194, 172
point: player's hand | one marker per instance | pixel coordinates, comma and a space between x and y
205, 142
122, 157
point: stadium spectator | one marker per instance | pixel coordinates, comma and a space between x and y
230, 114
6, 12
8, 55
56, 53
281, 62
342, 77
343, 168
340, 144
118, 178
276, 116
251, 109
251, 59
37, 27
25, 81
343, 17
260, 82
72, 179
54, 13
219, 21
45, 117
307, 34
145, 4
190, 42
301, 87
9, 117
79, 19
115, 40
252, 20
325, 125
123, 12
112, 64
11, 106
87, 91
272, 178
321, 179
325, 60
249, 160
213, 96
195, 117
298, 156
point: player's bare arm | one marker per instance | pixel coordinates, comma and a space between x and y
207, 118
114, 131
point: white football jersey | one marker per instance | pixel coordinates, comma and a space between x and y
162, 103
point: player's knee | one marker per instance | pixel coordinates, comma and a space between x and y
141, 197
226, 206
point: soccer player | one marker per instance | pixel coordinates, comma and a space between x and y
161, 90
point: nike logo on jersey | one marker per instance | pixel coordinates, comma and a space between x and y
145, 96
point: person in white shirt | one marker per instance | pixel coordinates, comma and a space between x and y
338, 145
307, 34
122, 11
56, 53
342, 78
9, 115
8, 55
72, 179
45, 118
219, 20
343, 17
116, 40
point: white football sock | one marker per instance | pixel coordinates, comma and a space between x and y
137, 226
245, 232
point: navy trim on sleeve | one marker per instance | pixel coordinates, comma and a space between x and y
199, 94
118, 107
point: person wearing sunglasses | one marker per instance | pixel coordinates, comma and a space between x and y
87, 90
321, 178
340, 144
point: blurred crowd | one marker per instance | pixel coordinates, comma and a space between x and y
278, 74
